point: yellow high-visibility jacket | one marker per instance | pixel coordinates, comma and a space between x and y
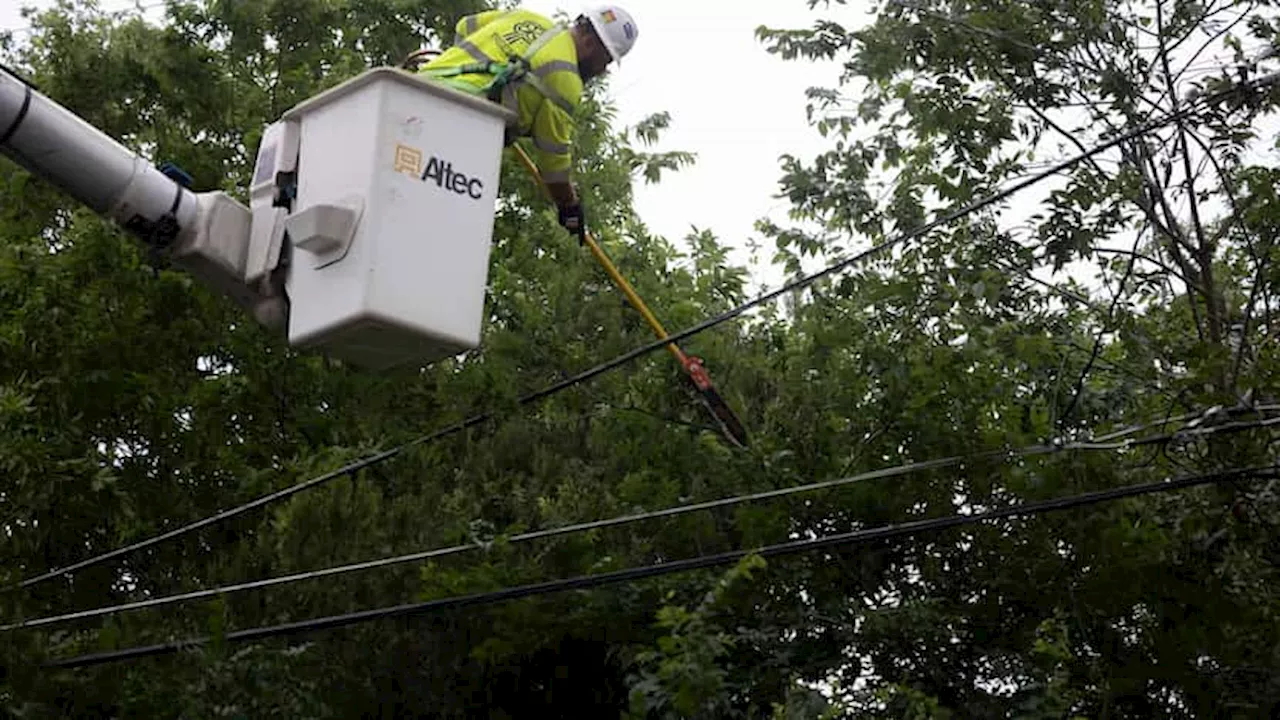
494, 36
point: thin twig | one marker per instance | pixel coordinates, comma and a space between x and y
1142, 256
1106, 327
1260, 262
1244, 15
1171, 231
1205, 254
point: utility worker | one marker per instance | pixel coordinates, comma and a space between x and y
537, 68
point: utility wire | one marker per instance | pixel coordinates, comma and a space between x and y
586, 582
1105, 443
941, 220
1112, 437
521, 538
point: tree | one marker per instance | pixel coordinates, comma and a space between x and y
132, 401
940, 104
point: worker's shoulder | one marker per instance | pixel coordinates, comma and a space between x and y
560, 50
557, 65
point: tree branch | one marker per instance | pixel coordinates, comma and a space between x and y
1209, 12
1172, 232
1044, 117
1156, 190
1146, 202
1106, 327
1069, 295
1141, 256
1244, 15
1260, 262
1148, 210
1205, 251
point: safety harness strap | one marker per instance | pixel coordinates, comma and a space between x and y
506, 75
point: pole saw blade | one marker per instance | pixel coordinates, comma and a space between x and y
730, 426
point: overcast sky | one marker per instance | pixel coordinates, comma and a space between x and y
738, 121
738, 107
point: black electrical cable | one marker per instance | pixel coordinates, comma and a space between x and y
224, 515
1104, 443
557, 532
586, 582
628, 357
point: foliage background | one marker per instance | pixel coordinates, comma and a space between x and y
132, 400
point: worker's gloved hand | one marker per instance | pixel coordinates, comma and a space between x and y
573, 220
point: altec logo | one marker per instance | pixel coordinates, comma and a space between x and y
409, 161
442, 172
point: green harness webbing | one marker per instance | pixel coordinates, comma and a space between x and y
504, 74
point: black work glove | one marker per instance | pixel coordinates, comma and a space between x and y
573, 220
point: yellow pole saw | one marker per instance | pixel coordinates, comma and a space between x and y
730, 426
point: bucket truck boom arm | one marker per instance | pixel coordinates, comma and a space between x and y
207, 234
370, 218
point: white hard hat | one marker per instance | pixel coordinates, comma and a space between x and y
616, 28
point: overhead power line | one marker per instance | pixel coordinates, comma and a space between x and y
712, 322
515, 539
586, 582
1110, 442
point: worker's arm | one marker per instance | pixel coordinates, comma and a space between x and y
552, 131
471, 23
563, 193
570, 208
